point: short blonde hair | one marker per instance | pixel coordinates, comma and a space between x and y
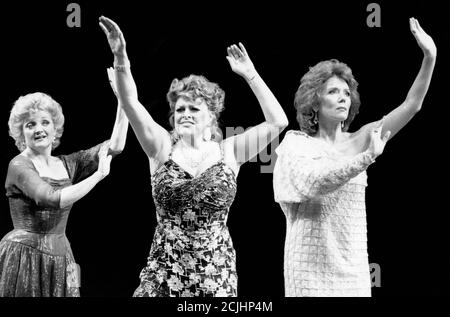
28, 104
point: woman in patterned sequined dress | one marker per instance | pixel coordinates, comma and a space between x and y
320, 177
36, 259
193, 175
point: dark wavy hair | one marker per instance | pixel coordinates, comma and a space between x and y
31, 103
312, 84
193, 87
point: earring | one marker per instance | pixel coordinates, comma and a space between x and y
315, 118
342, 125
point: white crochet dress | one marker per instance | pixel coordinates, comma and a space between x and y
322, 194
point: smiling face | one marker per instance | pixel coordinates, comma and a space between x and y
191, 117
335, 100
39, 131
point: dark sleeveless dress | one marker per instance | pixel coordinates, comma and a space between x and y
35, 258
192, 253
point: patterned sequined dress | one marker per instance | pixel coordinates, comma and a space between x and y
322, 194
35, 258
192, 253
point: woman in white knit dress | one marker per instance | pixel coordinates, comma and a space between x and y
320, 179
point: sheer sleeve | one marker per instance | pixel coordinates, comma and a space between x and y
302, 173
84, 163
23, 177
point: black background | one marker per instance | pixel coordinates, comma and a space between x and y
111, 229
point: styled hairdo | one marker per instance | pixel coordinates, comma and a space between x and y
193, 87
312, 84
31, 103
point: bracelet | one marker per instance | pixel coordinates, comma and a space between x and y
249, 80
121, 68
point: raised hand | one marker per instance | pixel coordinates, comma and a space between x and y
377, 143
425, 41
104, 161
240, 61
114, 36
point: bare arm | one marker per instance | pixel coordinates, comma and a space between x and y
400, 116
119, 134
254, 140
151, 135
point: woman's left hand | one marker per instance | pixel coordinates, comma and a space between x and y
104, 161
378, 142
424, 41
112, 79
240, 61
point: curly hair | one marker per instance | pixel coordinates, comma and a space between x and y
31, 103
193, 87
312, 84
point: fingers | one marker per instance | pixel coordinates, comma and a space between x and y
229, 59
243, 49
114, 25
110, 72
415, 26
109, 24
104, 149
235, 52
105, 24
412, 25
103, 28
231, 52
386, 136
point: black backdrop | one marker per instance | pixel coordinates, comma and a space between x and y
111, 229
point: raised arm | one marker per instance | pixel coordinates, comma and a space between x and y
119, 134
254, 140
400, 116
151, 135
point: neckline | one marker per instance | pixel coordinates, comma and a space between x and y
188, 173
47, 177
325, 146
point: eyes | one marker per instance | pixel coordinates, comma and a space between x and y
32, 124
336, 90
191, 109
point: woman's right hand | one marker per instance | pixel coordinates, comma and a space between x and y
114, 36
378, 142
104, 161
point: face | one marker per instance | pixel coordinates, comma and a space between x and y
39, 130
191, 117
335, 100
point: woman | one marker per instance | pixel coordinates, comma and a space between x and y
193, 174
36, 258
320, 179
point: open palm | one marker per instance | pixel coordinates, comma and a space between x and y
113, 34
240, 61
424, 41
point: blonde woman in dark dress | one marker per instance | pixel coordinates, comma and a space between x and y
35, 258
